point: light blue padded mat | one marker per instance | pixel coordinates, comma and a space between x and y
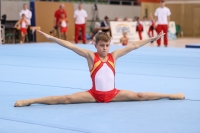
47, 69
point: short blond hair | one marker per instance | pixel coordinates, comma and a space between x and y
101, 36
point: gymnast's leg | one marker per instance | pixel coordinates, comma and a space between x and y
125, 95
80, 97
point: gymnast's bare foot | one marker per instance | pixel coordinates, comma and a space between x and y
21, 103
178, 96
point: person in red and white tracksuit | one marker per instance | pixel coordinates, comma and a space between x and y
151, 26
162, 17
80, 16
139, 28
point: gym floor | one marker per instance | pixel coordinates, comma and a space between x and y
47, 69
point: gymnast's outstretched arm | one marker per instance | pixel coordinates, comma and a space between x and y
120, 52
80, 51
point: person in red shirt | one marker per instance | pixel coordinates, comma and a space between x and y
63, 22
151, 27
22, 25
57, 17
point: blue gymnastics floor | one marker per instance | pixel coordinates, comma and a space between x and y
47, 69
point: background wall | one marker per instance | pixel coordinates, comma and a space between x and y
111, 11
44, 15
12, 9
184, 13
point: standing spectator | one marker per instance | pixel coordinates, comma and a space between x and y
151, 26
162, 15
28, 16
105, 25
80, 16
57, 16
139, 28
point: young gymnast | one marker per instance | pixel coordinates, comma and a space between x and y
102, 69
124, 39
63, 26
22, 23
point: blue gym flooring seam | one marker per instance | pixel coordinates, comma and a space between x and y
42, 85
118, 62
160, 56
52, 126
67, 87
117, 72
195, 100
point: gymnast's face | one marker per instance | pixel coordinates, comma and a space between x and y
102, 48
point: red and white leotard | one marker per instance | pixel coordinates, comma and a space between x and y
23, 24
63, 25
103, 79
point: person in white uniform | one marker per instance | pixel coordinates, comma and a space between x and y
162, 18
80, 16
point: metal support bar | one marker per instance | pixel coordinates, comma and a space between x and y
2, 34
0, 25
132, 2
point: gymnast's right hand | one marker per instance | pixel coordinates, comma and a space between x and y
44, 34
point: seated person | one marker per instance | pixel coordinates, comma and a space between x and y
125, 19
105, 27
95, 30
124, 39
116, 19
97, 27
